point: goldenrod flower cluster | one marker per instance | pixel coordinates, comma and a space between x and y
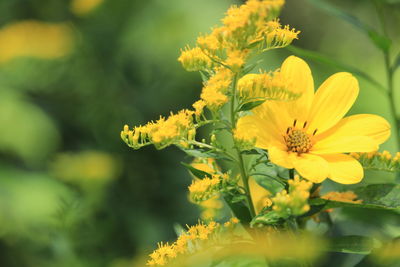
36, 39
295, 202
211, 206
277, 37
177, 129
348, 196
215, 89
246, 28
206, 188
193, 59
379, 160
188, 242
266, 86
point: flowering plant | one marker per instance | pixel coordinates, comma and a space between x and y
270, 143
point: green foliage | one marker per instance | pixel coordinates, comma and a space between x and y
354, 244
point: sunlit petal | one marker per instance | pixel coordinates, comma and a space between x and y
343, 144
344, 169
370, 125
312, 167
332, 101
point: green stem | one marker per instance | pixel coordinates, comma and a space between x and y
389, 76
243, 174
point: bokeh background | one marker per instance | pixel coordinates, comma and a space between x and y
72, 73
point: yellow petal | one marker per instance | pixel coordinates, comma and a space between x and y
313, 168
280, 157
269, 124
332, 101
264, 132
362, 124
344, 144
344, 169
298, 75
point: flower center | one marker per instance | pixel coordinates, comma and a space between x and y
298, 141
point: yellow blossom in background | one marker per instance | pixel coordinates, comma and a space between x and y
84, 166
35, 39
83, 7
296, 201
310, 133
348, 196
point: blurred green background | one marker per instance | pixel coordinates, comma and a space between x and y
72, 73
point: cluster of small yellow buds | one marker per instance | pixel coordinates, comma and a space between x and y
210, 208
176, 129
277, 37
236, 59
379, 160
229, 44
267, 86
348, 196
215, 89
243, 23
194, 59
162, 255
295, 202
197, 234
206, 188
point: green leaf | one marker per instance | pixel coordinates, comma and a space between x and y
196, 172
265, 177
250, 67
250, 105
375, 196
318, 57
240, 208
268, 218
205, 76
381, 41
354, 244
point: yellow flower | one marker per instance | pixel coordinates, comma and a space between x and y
194, 59
83, 7
36, 39
206, 188
213, 92
294, 202
310, 133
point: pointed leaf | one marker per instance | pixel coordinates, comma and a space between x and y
250, 105
196, 172
354, 244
